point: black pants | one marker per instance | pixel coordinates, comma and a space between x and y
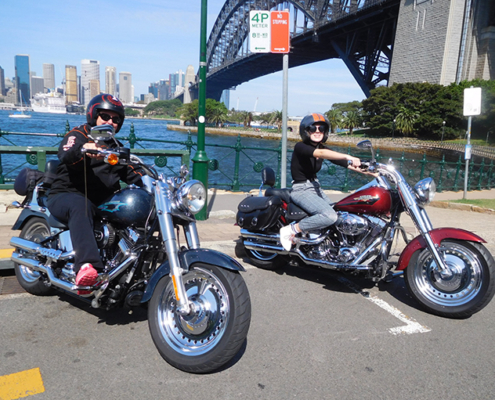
70, 208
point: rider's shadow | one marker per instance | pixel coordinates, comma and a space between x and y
115, 316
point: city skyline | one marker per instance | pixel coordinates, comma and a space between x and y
151, 40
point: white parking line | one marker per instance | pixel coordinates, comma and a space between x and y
412, 326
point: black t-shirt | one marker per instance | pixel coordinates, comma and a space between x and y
304, 166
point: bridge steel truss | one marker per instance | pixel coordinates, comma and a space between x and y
360, 32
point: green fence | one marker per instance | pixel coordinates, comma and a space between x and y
237, 167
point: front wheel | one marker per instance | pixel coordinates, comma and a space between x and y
468, 287
35, 230
216, 328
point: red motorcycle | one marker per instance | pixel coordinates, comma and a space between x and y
447, 270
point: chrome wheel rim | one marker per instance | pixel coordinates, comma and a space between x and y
455, 289
37, 233
202, 329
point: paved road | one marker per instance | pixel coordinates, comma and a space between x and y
314, 334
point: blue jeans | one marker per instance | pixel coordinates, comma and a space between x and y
311, 199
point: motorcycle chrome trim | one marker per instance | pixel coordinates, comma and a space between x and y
168, 234
192, 237
310, 261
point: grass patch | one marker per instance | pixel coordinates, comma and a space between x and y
485, 203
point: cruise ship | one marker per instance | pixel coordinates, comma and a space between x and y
49, 103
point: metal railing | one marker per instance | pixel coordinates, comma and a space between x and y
237, 167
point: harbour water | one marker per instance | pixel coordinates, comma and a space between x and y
254, 153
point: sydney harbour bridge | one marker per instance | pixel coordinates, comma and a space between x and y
365, 34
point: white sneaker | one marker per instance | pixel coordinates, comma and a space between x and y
286, 237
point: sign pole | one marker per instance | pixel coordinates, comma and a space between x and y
467, 156
472, 106
285, 91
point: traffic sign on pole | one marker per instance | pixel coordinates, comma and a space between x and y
280, 31
259, 31
472, 101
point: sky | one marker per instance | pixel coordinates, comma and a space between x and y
151, 39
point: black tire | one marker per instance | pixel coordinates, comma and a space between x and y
265, 260
36, 229
467, 291
212, 336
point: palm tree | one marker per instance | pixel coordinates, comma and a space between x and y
405, 120
351, 120
334, 118
218, 116
276, 118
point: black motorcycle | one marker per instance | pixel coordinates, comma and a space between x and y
199, 308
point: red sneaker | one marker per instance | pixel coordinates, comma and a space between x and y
87, 276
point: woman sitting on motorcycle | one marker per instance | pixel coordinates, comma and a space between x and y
307, 160
84, 180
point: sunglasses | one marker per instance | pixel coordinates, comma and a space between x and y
314, 128
107, 117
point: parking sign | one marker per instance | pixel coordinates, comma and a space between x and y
280, 32
259, 31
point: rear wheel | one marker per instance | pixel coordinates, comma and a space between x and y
35, 230
265, 260
466, 289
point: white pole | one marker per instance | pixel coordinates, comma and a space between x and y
467, 156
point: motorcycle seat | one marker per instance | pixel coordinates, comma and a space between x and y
284, 194
55, 223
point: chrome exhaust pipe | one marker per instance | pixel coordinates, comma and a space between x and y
33, 247
310, 261
37, 266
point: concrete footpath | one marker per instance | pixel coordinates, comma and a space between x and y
220, 232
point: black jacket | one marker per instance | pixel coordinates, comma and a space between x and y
78, 173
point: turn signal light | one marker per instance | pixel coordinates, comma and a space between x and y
112, 159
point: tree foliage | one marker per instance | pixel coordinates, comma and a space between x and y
162, 108
433, 104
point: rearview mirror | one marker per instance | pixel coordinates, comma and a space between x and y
364, 144
102, 132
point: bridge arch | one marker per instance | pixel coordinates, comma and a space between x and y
360, 32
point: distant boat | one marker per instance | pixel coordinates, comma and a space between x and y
49, 103
20, 114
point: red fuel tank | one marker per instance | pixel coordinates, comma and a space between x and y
372, 200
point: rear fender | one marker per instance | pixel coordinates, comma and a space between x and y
437, 235
187, 259
25, 215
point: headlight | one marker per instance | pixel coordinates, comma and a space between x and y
192, 196
425, 191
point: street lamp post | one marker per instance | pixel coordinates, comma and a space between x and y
393, 128
443, 129
200, 160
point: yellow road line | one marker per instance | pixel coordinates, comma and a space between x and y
21, 384
6, 253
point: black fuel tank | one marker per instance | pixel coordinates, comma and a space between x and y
130, 206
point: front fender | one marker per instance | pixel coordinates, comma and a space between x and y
187, 259
437, 235
25, 215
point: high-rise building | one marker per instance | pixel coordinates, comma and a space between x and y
90, 70
3, 92
111, 80
153, 89
70, 84
176, 80
22, 78
225, 98
126, 94
49, 76
37, 85
94, 88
